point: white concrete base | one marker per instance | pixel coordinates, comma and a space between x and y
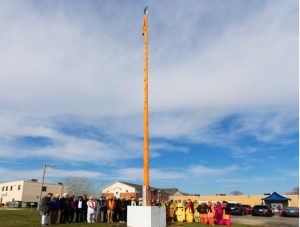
146, 216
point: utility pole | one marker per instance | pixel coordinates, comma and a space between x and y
43, 179
146, 186
40, 199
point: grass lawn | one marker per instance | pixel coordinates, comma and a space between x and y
27, 218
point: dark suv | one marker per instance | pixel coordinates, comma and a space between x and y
236, 208
262, 210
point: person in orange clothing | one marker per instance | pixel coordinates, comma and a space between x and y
111, 206
202, 209
211, 212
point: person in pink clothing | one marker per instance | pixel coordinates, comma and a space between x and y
219, 214
226, 214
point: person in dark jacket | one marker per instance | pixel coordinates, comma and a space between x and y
71, 209
64, 206
45, 208
80, 206
85, 208
123, 210
103, 209
97, 210
117, 213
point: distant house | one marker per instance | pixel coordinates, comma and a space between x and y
127, 190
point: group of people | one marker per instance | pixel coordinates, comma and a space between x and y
67, 209
206, 213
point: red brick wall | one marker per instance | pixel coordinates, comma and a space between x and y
107, 194
129, 195
137, 196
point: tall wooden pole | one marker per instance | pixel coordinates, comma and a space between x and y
146, 188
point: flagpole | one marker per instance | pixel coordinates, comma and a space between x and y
146, 187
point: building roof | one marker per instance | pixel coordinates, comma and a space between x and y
138, 187
169, 191
275, 197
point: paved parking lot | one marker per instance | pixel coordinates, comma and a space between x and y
275, 221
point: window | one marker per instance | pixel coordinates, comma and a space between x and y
19, 187
44, 189
6, 188
126, 190
3, 188
11, 188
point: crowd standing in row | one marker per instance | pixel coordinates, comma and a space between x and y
68, 210
206, 213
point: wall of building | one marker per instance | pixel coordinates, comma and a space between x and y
32, 190
11, 191
117, 189
27, 191
243, 199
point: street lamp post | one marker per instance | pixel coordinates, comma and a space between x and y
43, 179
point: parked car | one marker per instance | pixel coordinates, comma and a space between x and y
30, 204
15, 204
290, 211
247, 209
262, 210
236, 208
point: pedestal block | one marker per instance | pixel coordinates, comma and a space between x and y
146, 216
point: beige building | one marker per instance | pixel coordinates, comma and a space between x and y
243, 199
27, 190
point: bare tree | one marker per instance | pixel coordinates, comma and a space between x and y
80, 185
294, 192
236, 192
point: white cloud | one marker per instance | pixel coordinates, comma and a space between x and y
168, 147
63, 69
13, 174
205, 171
55, 63
251, 180
136, 174
158, 174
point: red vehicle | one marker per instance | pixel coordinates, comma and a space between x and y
247, 209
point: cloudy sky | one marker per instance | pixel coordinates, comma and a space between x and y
223, 92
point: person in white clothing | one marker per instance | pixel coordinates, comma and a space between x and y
91, 210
